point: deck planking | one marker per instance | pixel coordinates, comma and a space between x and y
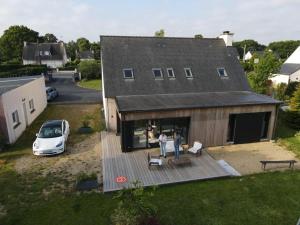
134, 166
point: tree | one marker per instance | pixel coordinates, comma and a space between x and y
95, 47
89, 69
291, 88
284, 48
83, 44
71, 48
49, 38
258, 79
160, 33
250, 45
295, 101
198, 36
279, 91
12, 42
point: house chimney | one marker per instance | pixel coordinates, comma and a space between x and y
227, 37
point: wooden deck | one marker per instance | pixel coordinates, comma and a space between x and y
134, 166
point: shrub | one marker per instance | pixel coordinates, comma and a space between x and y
89, 69
13, 70
279, 91
292, 119
291, 88
295, 101
134, 207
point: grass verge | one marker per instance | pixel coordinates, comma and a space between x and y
91, 84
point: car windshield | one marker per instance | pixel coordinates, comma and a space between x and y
50, 132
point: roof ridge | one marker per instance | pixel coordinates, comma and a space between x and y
146, 37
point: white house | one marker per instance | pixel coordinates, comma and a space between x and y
249, 55
290, 70
22, 99
51, 54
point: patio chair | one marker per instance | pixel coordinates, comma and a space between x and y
154, 161
196, 149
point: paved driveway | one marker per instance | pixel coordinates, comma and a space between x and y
70, 93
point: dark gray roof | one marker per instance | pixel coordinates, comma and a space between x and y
289, 68
32, 51
7, 84
86, 54
142, 54
190, 100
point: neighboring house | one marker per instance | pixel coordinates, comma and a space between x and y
86, 55
51, 54
22, 99
290, 70
196, 86
250, 54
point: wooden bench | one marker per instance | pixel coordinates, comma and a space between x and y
265, 162
182, 161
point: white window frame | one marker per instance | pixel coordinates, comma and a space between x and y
161, 73
128, 78
15, 117
188, 69
31, 105
170, 69
225, 73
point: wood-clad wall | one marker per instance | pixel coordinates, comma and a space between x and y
210, 125
111, 114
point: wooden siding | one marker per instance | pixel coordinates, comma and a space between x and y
111, 114
134, 166
210, 125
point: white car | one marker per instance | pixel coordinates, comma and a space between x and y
52, 138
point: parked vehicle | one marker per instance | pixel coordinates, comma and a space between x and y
52, 138
52, 93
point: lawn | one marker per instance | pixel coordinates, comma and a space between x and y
288, 137
91, 84
74, 114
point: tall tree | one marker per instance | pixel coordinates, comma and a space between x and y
95, 47
12, 42
258, 79
83, 44
250, 45
198, 36
284, 48
49, 38
71, 48
160, 33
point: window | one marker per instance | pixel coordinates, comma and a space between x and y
15, 117
128, 73
157, 73
31, 106
170, 73
188, 72
41, 52
47, 53
222, 72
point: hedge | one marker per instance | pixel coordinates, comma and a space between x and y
292, 118
22, 70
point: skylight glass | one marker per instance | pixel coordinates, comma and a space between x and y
128, 73
188, 72
170, 72
157, 72
222, 72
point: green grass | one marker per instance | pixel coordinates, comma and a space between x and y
74, 114
269, 199
288, 137
91, 84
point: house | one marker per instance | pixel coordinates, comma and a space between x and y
250, 54
86, 55
290, 70
51, 54
22, 99
195, 86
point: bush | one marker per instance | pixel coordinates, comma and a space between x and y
291, 88
295, 101
134, 207
89, 69
279, 92
292, 119
13, 70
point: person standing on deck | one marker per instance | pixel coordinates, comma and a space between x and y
163, 142
177, 142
